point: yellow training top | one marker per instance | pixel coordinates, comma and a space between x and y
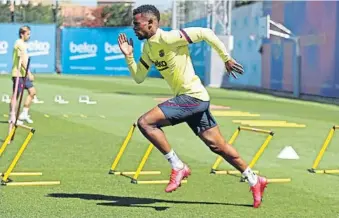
169, 52
20, 50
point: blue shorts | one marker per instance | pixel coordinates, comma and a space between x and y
28, 84
192, 111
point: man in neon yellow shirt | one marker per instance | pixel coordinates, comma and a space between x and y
20, 60
168, 51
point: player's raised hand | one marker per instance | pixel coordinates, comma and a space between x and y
126, 46
231, 66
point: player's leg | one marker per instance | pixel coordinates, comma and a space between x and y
205, 126
171, 112
150, 126
16, 90
14, 97
31, 93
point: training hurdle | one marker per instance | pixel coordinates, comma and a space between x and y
139, 171
270, 134
320, 155
5, 180
268, 123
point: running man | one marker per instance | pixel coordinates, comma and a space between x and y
168, 50
20, 57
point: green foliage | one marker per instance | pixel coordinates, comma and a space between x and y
28, 14
34, 14
117, 15
165, 18
5, 14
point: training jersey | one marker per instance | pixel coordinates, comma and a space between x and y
169, 52
20, 50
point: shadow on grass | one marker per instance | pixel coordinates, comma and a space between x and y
120, 201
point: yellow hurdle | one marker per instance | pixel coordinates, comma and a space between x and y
258, 121
7, 140
157, 182
320, 155
287, 125
233, 114
42, 183
256, 156
24, 174
254, 159
268, 123
121, 151
17, 156
142, 163
236, 172
139, 171
5, 180
9, 172
134, 175
325, 171
219, 158
261, 150
279, 180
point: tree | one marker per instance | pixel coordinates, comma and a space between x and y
34, 14
27, 13
165, 18
5, 14
111, 16
117, 15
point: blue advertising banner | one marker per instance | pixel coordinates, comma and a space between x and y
200, 52
96, 51
41, 47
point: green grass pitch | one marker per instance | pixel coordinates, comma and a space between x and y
79, 151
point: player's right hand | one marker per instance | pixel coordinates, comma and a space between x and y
126, 46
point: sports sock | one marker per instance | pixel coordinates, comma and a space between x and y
25, 111
251, 176
174, 160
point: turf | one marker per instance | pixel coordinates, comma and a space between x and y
79, 151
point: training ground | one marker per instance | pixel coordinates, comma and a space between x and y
76, 144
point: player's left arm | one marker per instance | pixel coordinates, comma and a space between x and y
191, 35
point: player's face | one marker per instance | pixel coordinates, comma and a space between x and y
141, 26
26, 36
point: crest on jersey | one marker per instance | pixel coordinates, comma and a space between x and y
161, 53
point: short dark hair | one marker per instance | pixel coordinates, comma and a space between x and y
147, 9
23, 30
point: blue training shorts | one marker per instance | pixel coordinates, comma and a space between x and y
28, 84
193, 111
